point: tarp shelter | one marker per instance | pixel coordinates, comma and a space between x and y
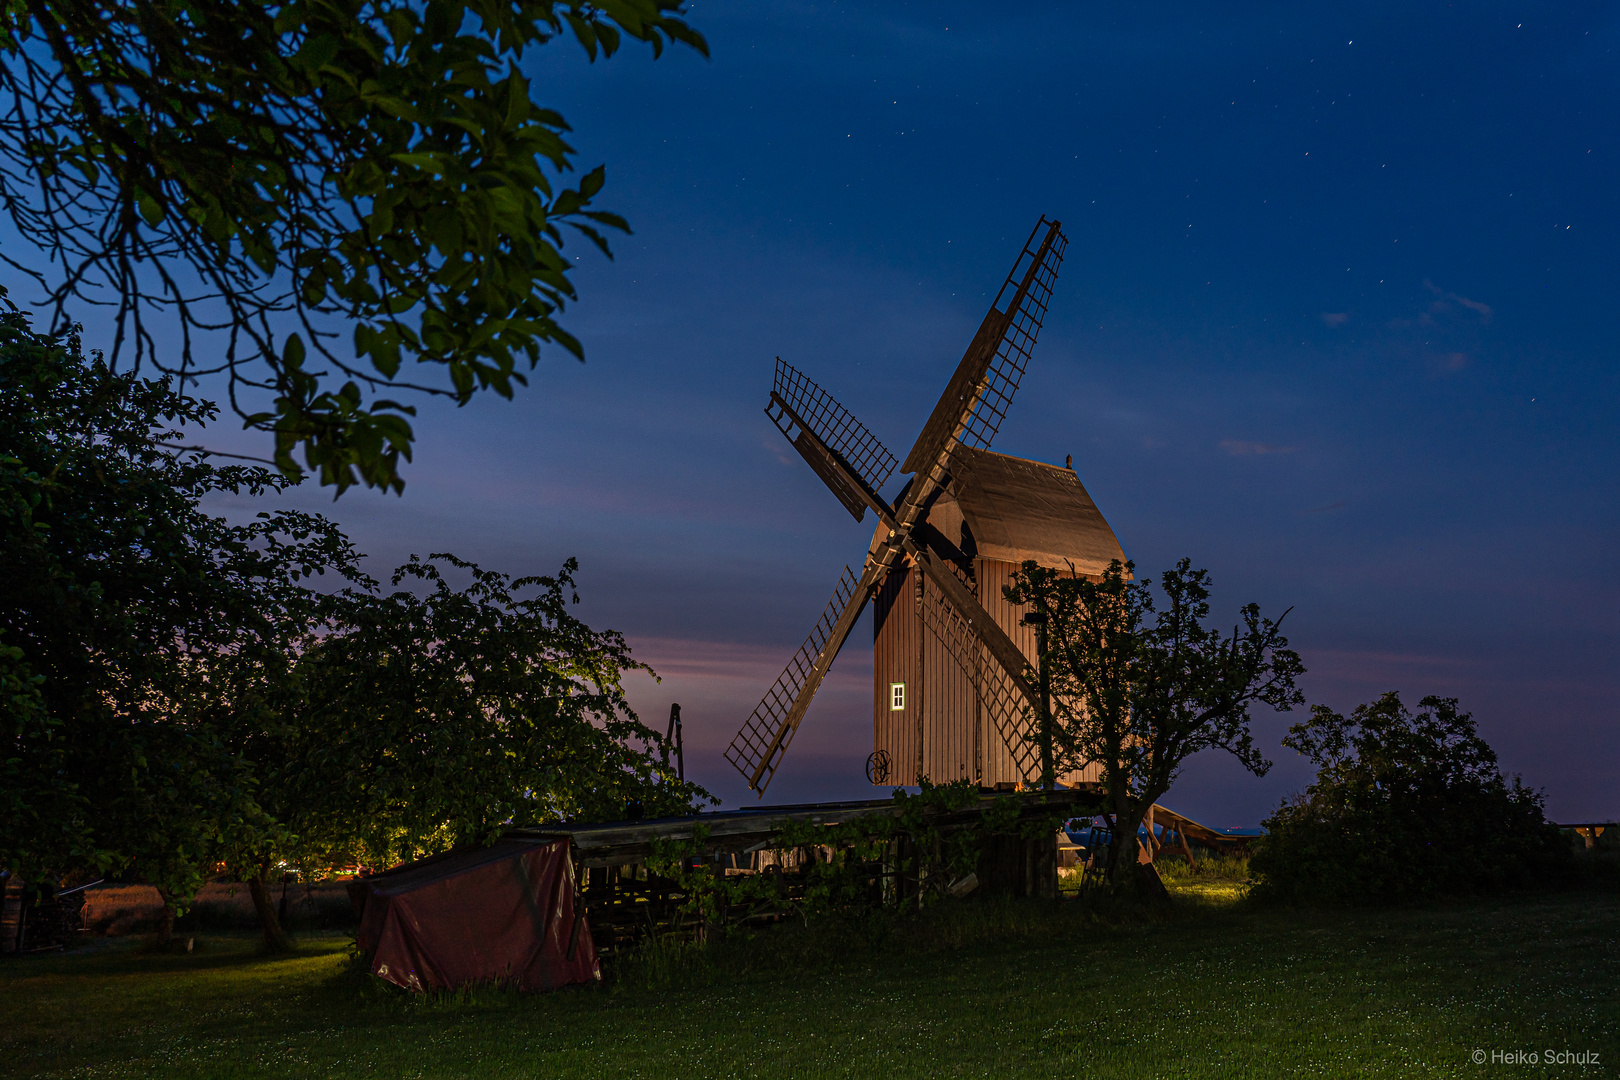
504, 913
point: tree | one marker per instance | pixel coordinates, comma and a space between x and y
1405, 805
1139, 690
33, 786
123, 604
273, 176
454, 713
421, 720
176, 695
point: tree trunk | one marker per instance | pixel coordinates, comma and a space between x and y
275, 937
165, 930
1123, 850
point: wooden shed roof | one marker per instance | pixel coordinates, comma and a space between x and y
1019, 509
752, 828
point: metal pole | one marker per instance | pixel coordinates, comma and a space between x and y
1037, 619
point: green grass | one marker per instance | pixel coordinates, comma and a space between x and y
1220, 881
1213, 989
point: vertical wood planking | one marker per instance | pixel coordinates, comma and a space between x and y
948, 752
894, 652
942, 724
919, 685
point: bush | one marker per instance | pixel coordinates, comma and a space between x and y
1404, 807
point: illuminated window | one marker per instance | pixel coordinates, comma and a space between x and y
897, 696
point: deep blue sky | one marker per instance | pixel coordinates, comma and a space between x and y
1337, 321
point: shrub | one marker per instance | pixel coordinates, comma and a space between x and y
1405, 806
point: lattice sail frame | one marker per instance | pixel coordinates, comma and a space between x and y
1018, 342
753, 742
986, 388
834, 425
1000, 698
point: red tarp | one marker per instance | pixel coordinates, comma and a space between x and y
499, 913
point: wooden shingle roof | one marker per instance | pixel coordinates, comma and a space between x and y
1018, 509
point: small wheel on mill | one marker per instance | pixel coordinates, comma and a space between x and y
877, 768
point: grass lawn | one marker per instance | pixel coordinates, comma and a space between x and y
1217, 989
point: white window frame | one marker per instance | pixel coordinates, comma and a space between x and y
897, 697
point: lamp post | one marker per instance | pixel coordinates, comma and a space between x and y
1043, 720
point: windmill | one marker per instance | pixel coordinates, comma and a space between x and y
950, 653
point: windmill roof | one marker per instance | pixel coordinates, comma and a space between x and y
1019, 509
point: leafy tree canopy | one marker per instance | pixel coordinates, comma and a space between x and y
176, 693
437, 716
1405, 805
122, 601
278, 177
1139, 688
419, 719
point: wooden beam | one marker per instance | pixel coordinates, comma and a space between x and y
818, 671
844, 482
1001, 647
962, 393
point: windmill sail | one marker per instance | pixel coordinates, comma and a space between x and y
758, 746
855, 466
976, 399
1001, 697
819, 427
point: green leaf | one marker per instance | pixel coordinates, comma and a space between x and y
318, 50
517, 100
426, 162
592, 182
151, 210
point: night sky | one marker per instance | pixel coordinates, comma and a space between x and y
1337, 322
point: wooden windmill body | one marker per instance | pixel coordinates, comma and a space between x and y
952, 696
930, 717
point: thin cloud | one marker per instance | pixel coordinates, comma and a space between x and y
1243, 448
1424, 320
1483, 310
1374, 671
774, 448
1335, 318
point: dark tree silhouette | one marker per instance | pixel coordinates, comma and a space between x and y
1140, 689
